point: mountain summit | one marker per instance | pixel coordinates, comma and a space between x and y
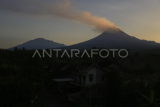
115, 39
39, 43
110, 39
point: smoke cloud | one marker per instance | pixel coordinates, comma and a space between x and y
62, 9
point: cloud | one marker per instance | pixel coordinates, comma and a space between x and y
62, 9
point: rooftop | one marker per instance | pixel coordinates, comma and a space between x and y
62, 79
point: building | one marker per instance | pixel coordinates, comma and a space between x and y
90, 75
89, 79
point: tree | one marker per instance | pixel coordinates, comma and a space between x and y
15, 49
23, 49
151, 101
113, 87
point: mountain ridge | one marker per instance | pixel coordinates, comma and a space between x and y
38, 43
113, 39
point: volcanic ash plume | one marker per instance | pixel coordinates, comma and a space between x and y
61, 10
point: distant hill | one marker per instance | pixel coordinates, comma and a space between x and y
116, 40
39, 43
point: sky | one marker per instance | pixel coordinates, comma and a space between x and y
74, 21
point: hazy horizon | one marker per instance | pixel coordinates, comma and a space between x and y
70, 22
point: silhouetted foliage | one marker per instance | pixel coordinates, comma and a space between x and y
22, 77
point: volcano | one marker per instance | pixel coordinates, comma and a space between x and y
116, 39
111, 39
